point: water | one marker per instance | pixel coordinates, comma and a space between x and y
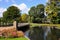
47, 30
27, 33
41, 33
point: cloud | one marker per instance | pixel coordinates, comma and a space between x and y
23, 7
1, 11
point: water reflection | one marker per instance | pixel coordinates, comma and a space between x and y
43, 33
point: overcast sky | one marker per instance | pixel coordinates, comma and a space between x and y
23, 5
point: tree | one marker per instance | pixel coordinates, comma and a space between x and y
40, 10
32, 13
51, 11
24, 17
5, 15
40, 13
37, 13
12, 13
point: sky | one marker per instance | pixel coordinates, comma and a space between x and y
23, 5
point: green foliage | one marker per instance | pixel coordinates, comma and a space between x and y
38, 20
32, 11
12, 13
24, 18
52, 11
56, 33
37, 13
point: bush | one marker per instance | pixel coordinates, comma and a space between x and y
11, 33
20, 34
14, 34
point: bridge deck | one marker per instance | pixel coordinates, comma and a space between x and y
22, 24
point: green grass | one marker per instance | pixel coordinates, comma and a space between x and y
48, 25
21, 38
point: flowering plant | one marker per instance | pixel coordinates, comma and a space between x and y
11, 33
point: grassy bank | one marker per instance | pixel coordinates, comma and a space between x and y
48, 25
22, 38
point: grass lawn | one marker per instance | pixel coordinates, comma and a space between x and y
22, 38
50, 25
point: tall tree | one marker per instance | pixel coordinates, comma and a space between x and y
32, 13
12, 13
37, 13
40, 10
40, 13
51, 10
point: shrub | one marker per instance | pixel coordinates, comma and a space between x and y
14, 34
11, 33
5, 33
0, 34
20, 34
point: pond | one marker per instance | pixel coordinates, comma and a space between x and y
43, 33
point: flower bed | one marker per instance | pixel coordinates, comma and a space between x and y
11, 33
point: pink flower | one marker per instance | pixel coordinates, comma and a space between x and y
14, 34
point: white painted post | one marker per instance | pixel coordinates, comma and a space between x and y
14, 24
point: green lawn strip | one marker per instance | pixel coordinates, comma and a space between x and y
50, 25
21, 38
